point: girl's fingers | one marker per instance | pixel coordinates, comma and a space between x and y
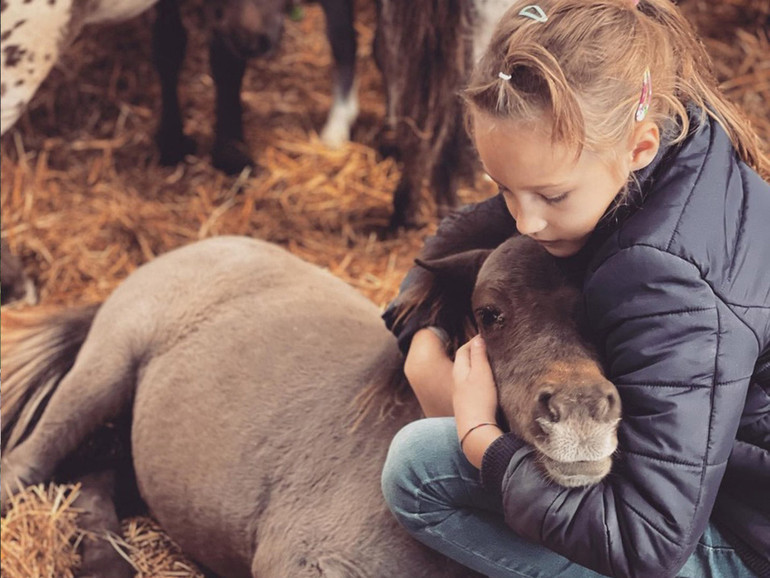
478, 351
474, 395
471, 359
462, 363
479, 364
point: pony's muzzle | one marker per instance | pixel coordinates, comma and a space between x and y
578, 432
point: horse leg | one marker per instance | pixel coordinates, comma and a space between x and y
229, 153
342, 38
169, 42
98, 519
445, 174
96, 390
406, 197
387, 137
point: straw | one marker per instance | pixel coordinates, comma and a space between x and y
84, 202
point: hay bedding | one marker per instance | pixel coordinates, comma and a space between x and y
84, 201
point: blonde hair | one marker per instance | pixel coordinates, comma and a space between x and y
583, 69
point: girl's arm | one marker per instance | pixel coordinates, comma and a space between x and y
428, 369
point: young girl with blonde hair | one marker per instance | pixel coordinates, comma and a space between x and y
602, 125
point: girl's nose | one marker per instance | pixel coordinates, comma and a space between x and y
528, 222
526, 213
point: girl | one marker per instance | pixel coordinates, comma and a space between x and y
601, 124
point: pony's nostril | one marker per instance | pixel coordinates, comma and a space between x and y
611, 409
604, 405
548, 406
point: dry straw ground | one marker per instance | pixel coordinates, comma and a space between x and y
84, 201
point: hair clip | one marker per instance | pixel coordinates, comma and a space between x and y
504, 76
645, 98
534, 12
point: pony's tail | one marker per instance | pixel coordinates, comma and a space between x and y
38, 349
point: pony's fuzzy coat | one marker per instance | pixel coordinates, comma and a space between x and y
243, 368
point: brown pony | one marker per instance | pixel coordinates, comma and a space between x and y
263, 393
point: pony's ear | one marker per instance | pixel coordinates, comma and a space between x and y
438, 292
461, 268
449, 289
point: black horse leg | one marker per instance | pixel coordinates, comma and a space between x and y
406, 197
229, 153
342, 38
169, 42
387, 137
98, 518
446, 172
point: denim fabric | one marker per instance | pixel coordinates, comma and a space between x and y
436, 494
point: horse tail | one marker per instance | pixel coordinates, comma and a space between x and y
39, 348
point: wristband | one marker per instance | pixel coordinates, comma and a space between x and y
462, 439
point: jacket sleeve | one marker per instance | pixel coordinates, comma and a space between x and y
481, 225
682, 362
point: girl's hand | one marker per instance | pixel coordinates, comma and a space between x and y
474, 398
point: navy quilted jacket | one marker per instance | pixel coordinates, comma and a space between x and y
677, 288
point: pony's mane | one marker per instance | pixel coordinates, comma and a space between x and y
384, 393
434, 301
446, 307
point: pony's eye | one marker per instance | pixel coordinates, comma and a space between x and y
490, 316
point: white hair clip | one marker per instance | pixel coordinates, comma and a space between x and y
504, 76
534, 12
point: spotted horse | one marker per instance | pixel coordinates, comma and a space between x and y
35, 33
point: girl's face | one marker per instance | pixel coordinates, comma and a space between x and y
556, 199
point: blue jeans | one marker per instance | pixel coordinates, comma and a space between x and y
435, 493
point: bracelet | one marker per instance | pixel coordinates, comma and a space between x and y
462, 439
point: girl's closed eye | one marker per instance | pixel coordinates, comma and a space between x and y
551, 200
556, 199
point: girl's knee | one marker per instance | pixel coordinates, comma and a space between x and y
416, 450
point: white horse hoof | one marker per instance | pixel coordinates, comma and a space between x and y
342, 115
335, 135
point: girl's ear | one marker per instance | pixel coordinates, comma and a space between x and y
645, 143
